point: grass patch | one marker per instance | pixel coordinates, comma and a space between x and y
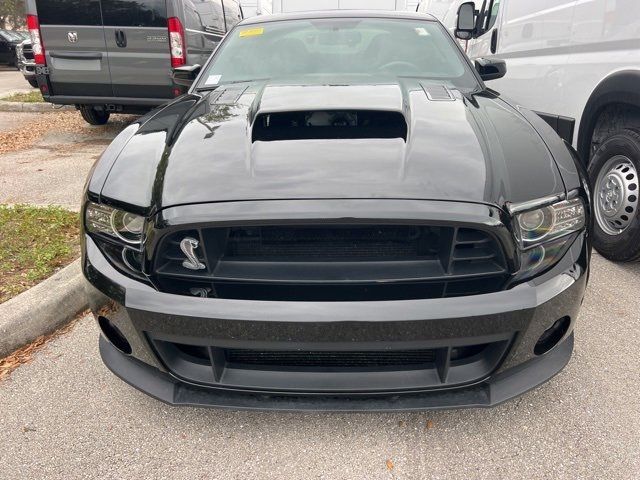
34, 243
31, 97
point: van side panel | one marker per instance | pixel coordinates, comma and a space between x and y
559, 51
76, 50
533, 38
605, 39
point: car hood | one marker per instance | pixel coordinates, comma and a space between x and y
204, 148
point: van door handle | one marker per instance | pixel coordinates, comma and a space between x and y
494, 41
121, 39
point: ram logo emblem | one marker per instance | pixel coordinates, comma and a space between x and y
188, 247
72, 37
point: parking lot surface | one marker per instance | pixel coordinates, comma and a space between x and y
11, 80
66, 416
45, 157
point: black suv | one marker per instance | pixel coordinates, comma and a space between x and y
345, 219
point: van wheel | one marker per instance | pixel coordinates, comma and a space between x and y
614, 171
93, 116
33, 82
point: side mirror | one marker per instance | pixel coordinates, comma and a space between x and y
466, 25
491, 68
185, 76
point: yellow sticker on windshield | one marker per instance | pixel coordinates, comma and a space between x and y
252, 32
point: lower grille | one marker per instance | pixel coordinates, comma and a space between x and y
27, 52
330, 359
310, 368
331, 263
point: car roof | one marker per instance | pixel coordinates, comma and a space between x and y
278, 17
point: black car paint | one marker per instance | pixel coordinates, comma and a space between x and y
198, 149
464, 162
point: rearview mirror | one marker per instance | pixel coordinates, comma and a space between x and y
466, 25
491, 68
185, 76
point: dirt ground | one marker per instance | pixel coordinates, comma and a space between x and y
45, 157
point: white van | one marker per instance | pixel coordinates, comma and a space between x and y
284, 6
251, 8
577, 63
446, 11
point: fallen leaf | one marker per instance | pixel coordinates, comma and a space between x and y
389, 464
429, 424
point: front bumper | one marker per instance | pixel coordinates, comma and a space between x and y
516, 317
28, 69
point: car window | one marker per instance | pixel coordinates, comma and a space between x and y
492, 14
207, 15
363, 47
135, 13
69, 12
11, 36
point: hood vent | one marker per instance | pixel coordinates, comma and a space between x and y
329, 124
438, 93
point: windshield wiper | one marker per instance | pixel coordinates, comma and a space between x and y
207, 89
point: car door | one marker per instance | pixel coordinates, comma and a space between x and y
138, 44
75, 46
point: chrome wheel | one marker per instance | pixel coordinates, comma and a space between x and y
616, 195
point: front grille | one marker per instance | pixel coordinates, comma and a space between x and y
326, 243
27, 52
331, 262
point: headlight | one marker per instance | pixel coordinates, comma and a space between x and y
550, 222
543, 233
122, 225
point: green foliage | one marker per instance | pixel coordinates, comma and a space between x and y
31, 97
34, 242
12, 14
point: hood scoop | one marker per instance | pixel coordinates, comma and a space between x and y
328, 125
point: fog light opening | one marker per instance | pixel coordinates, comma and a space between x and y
114, 335
552, 336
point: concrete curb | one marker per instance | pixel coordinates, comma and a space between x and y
42, 309
32, 107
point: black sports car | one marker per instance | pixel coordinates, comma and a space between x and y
339, 215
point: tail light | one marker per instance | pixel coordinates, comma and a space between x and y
36, 40
176, 42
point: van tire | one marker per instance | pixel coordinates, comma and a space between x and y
617, 150
94, 116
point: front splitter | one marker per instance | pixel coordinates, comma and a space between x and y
497, 389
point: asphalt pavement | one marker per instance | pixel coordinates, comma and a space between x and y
65, 416
11, 80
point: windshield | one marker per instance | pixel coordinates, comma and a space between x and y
327, 49
11, 36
